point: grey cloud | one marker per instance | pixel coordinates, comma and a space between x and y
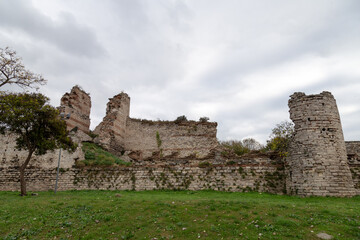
66, 33
150, 48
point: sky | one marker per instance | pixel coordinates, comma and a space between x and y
234, 61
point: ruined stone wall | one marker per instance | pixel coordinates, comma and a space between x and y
252, 172
147, 139
261, 174
10, 157
353, 154
143, 139
75, 109
317, 162
112, 130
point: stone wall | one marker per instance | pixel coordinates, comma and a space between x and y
161, 139
144, 139
260, 174
186, 155
317, 162
10, 157
353, 154
112, 130
75, 109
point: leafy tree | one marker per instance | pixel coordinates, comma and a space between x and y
280, 138
36, 124
12, 71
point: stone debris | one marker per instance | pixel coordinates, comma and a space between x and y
324, 236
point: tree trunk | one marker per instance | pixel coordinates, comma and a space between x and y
22, 173
22, 182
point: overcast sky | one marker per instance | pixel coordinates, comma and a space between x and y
236, 62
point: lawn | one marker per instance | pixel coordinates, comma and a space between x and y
175, 215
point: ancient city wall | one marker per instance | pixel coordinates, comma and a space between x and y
75, 108
317, 161
186, 155
253, 174
143, 139
10, 157
148, 139
353, 154
112, 130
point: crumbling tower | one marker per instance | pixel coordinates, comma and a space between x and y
75, 108
317, 161
111, 131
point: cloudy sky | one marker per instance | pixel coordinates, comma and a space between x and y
234, 61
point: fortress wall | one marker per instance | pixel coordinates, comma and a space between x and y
257, 173
163, 139
77, 103
169, 155
317, 161
10, 157
262, 175
119, 133
112, 130
353, 154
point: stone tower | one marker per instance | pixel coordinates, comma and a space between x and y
317, 161
75, 108
111, 131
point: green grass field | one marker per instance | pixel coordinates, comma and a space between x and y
175, 215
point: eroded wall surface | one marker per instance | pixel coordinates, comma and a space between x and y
253, 174
317, 161
112, 130
75, 109
10, 157
161, 139
185, 155
353, 154
143, 139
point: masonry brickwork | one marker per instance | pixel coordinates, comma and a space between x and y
112, 130
250, 173
75, 108
317, 161
186, 154
353, 154
143, 139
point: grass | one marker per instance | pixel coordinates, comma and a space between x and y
175, 215
97, 156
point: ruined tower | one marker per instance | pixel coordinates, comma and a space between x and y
111, 131
317, 161
75, 108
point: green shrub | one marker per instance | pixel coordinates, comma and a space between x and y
204, 164
230, 163
181, 119
89, 155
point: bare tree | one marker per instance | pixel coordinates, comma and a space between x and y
13, 71
251, 144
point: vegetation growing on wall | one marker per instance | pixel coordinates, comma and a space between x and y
181, 119
280, 138
97, 156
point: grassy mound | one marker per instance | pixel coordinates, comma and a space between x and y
97, 156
